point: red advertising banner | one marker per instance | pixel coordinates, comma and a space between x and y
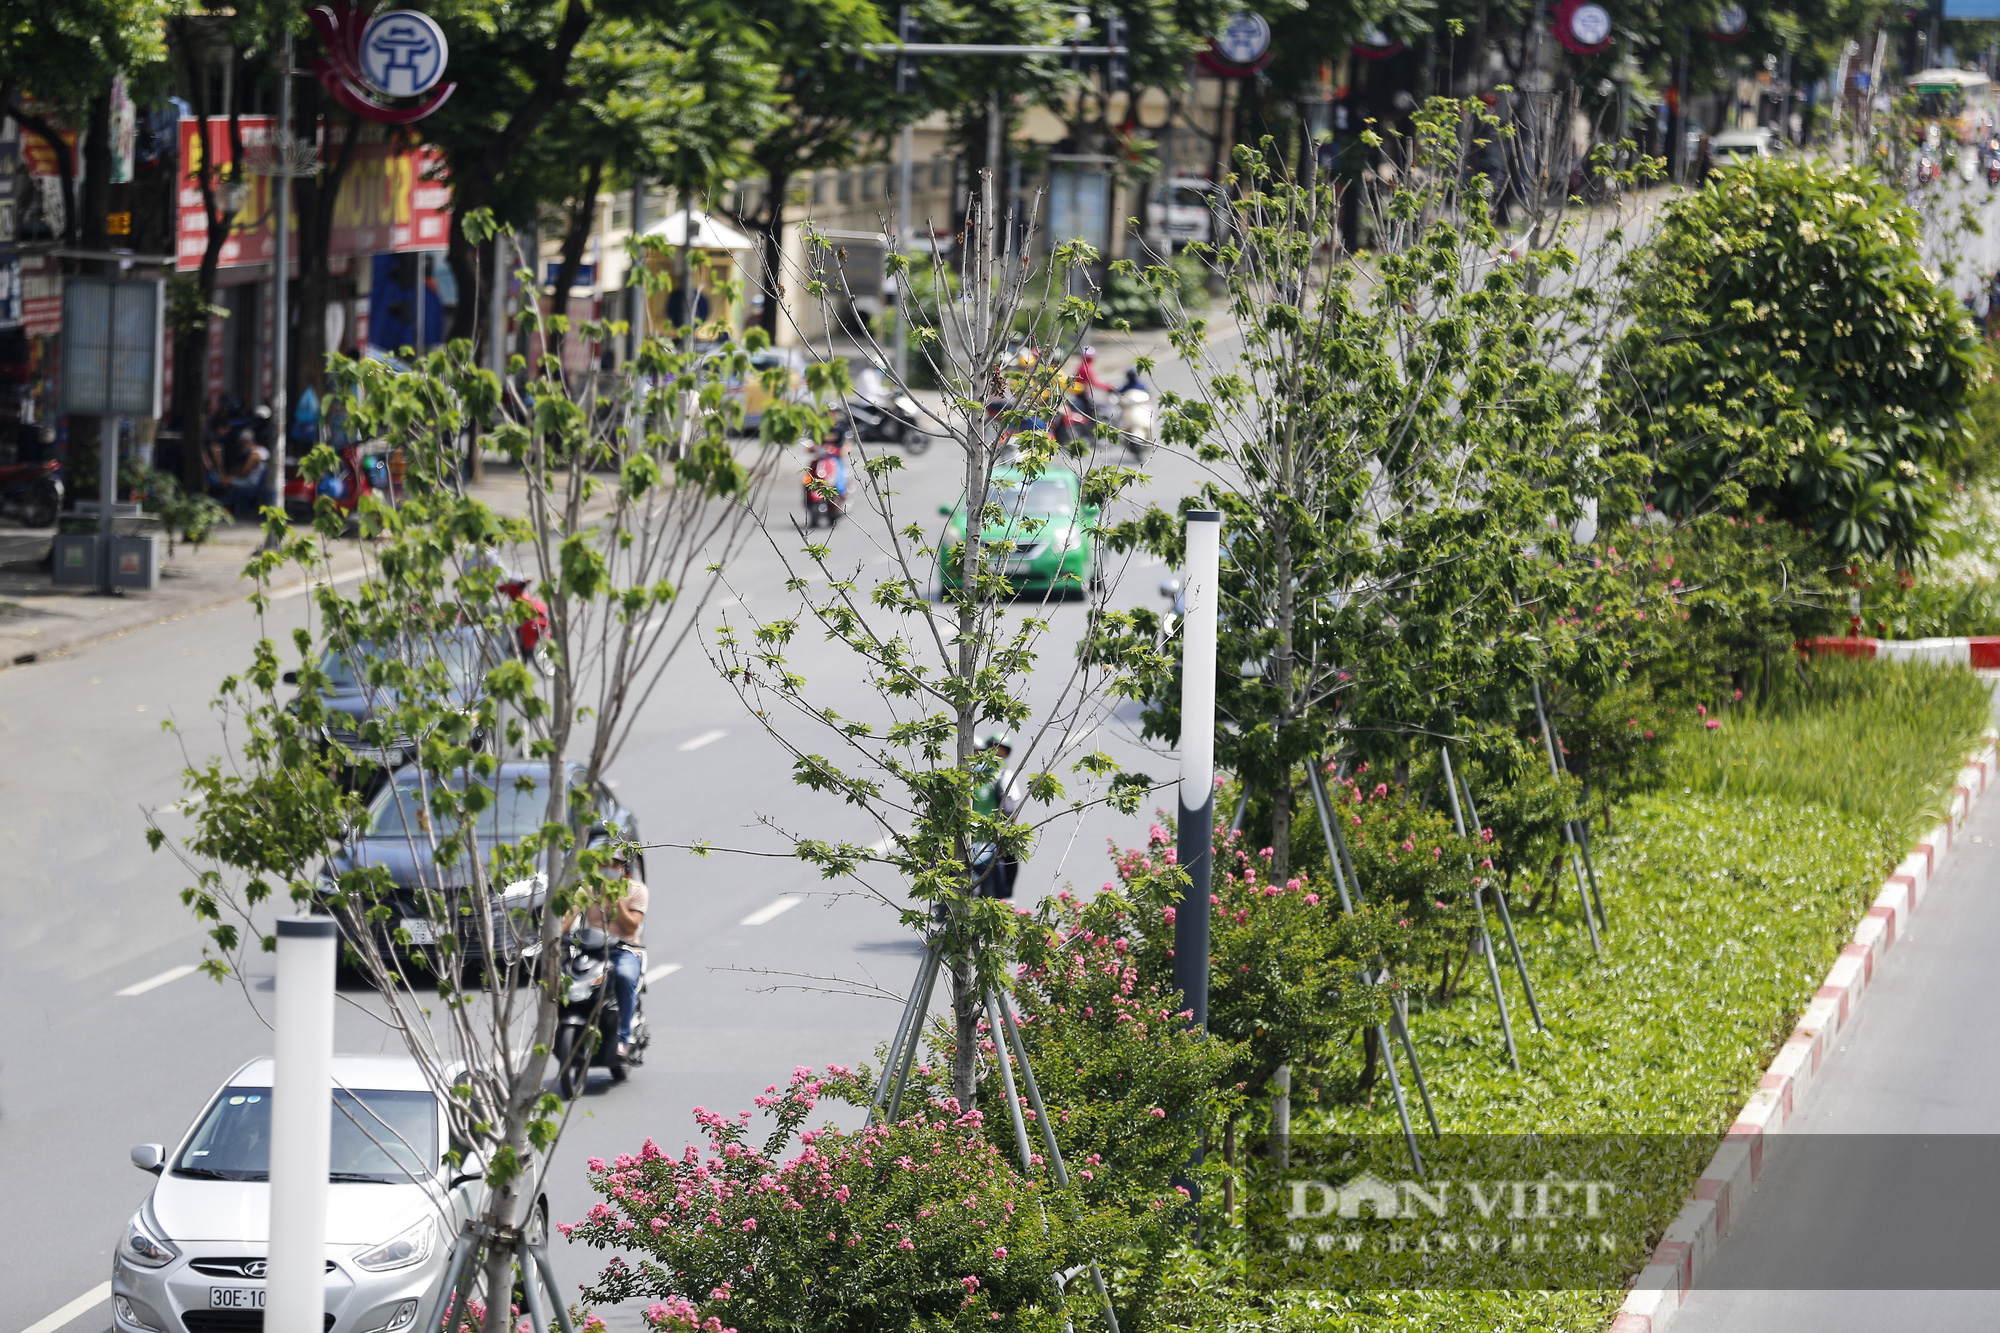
386, 204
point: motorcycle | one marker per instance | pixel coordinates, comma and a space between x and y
826, 489
31, 493
1138, 430
880, 414
587, 1028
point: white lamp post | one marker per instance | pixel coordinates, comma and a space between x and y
1194, 847
301, 1125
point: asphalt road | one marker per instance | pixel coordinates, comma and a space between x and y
108, 1043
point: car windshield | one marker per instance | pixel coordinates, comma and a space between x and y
378, 1135
1188, 197
459, 652
1044, 497
511, 814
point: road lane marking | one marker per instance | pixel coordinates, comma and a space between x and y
663, 970
314, 585
82, 1305
706, 738
764, 915
171, 974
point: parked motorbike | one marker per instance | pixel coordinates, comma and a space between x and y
587, 1029
31, 494
882, 415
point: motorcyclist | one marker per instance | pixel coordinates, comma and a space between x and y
996, 796
624, 920
1133, 380
832, 445
1088, 383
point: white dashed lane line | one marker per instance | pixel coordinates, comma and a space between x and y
76, 1309
151, 983
706, 738
765, 915
653, 974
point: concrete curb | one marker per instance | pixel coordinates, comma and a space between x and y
236, 596
1725, 1184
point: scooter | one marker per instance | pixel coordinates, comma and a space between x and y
1138, 430
880, 414
826, 490
31, 493
587, 1028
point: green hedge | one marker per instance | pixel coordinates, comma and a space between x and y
1730, 891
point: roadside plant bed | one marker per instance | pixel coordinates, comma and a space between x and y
1725, 912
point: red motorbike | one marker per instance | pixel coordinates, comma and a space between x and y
31, 494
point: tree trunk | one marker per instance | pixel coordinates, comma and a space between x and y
86, 222
777, 183
317, 197
96, 201
582, 217
191, 344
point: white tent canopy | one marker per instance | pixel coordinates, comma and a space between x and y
709, 234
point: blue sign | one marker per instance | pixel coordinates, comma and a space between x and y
1972, 9
403, 53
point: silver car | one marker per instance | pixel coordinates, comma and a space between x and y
192, 1259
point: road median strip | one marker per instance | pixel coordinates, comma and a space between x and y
1724, 1188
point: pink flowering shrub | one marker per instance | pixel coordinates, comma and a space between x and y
923, 1223
1285, 961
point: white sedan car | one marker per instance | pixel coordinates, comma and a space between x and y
192, 1260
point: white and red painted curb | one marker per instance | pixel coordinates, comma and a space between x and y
1981, 652
1724, 1186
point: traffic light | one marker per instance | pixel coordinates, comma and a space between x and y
906, 65
1117, 65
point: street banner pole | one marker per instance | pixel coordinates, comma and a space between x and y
1194, 845
301, 1125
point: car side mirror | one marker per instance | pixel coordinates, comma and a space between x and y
464, 1178
150, 1157
290, 678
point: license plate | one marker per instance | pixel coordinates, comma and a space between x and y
235, 1298
419, 929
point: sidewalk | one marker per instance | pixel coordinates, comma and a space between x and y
39, 620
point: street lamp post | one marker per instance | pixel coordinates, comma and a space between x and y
301, 1125
1194, 845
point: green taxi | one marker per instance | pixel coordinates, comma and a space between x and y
1047, 521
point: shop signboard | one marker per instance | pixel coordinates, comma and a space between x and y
386, 202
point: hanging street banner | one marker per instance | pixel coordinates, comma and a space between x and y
386, 202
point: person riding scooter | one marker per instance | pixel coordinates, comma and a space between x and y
826, 477
995, 796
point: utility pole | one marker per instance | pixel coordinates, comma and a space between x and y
906, 83
635, 295
282, 161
